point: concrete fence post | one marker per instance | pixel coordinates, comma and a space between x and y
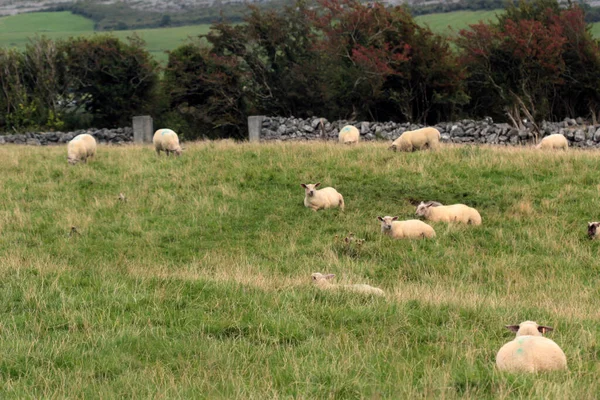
254, 127
143, 129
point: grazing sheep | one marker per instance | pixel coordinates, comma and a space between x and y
417, 140
411, 229
593, 230
349, 134
81, 148
166, 140
322, 282
530, 351
320, 199
555, 141
453, 213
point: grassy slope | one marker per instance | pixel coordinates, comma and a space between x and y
446, 22
198, 285
15, 31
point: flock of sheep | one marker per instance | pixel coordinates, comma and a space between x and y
528, 352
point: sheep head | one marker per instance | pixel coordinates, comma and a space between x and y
309, 189
529, 328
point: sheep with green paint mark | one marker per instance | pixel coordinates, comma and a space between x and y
349, 134
166, 140
80, 148
530, 351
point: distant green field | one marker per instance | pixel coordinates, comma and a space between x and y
444, 23
15, 31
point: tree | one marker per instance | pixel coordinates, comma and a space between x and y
113, 80
383, 65
205, 89
537, 62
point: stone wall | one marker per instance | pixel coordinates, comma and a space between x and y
113, 136
578, 132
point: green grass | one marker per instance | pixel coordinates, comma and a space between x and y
15, 31
198, 286
445, 23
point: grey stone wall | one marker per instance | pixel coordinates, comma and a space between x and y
113, 136
578, 132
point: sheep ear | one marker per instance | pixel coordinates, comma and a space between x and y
514, 328
317, 184
544, 329
303, 185
394, 218
380, 218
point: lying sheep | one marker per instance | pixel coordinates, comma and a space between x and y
322, 282
530, 351
554, 141
320, 199
349, 134
411, 229
417, 140
166, 140
81, 148
593, 229
453, 213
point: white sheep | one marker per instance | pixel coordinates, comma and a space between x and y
81, 148
166, 140
593, 230
453, 213
321, 199
555, 141
410, 229
417, 140
323, 282
349, 134
530, 351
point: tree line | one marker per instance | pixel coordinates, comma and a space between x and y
342, 60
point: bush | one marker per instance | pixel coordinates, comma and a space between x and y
110, 79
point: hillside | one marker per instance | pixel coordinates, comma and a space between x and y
198, 286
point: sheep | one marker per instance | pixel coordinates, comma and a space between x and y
417, 140
349, 134
321, 199
593, 230
555, 141
322, 282
410, 229
452, 213
81, 148
530, 351
166, 140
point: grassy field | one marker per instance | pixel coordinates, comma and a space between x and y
445, 23
15, 31
199, 285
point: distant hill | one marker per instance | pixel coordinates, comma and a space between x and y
11, 7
